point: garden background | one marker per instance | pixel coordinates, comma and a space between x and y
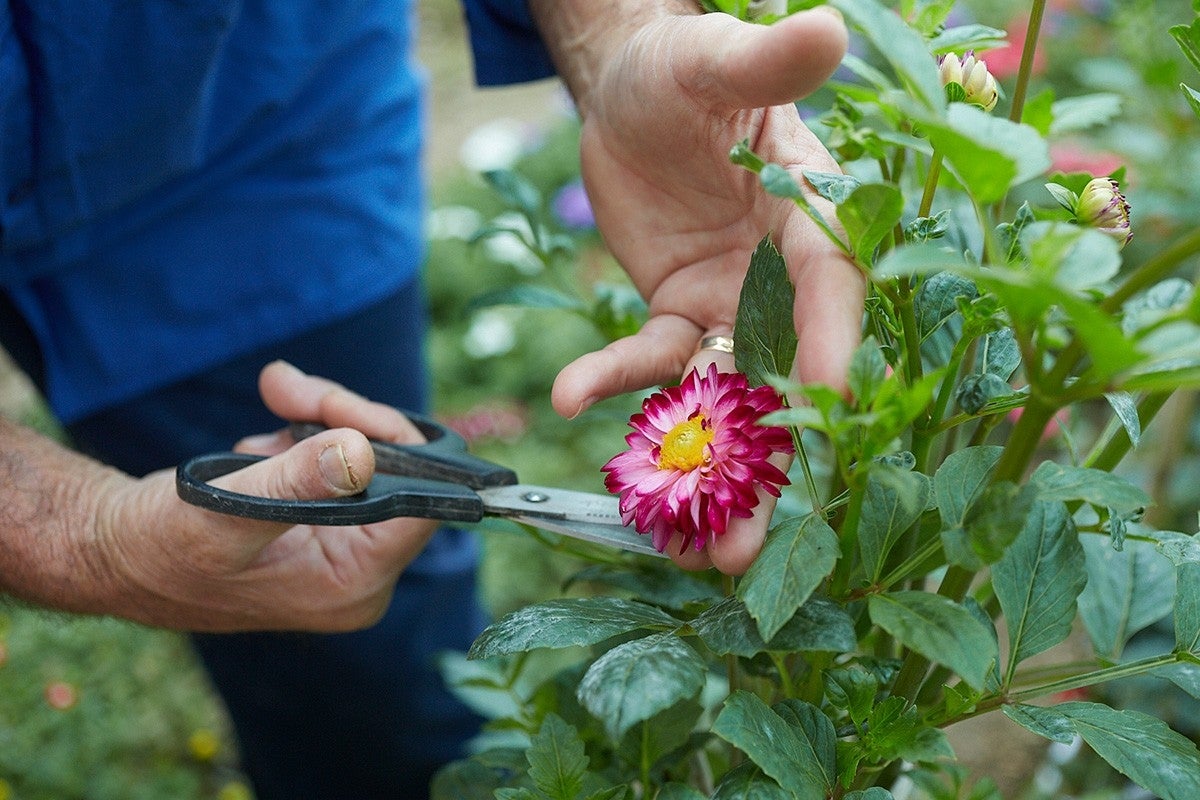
100, 708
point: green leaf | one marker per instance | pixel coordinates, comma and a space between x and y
937, 300
874, 793
663, 736
568, 622
727, 628
1126, 591
528, 296
852, 689
611, 793
514, 190
961, 479
867, 373
781, 750
556, 759
816, 729
636, 680
747, 782
1038, 581
1188, 39
1097, 487
765, 344
901, 46
961, 38
1124, 406
1184, 553
1140, 747
797, 556
833, 186
1192, 96
895, 730
988, 154
894, 500
1073, 114
471, 779
678, 791
519, 793
917, 259
937, 628
869, 214
1045, 722
1070, 256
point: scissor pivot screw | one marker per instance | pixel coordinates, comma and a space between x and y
535, 497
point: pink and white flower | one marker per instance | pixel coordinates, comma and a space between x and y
696, 457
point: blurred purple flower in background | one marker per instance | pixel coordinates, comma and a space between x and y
572, 208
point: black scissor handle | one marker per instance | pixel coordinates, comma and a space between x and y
443, 457
386, 497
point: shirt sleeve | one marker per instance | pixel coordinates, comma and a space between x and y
505, 43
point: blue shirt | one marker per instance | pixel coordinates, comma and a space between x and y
181, 183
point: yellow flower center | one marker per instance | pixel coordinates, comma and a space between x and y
685, 446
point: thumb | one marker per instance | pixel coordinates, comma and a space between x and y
333, 463
769, 65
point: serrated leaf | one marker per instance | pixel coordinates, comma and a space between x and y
1140, 747
797, 556
517, 793
1126, 591
1102, 489
1045, 722
748, 782
961, 479
851, 689
894, 500
1039, 580
869, 215
937, 628
727, 628
611, 793
662, 735
917, 259
636, 680
556, 759
896, 730
816, 729
568, 622
901, 46
765, 344
782, 751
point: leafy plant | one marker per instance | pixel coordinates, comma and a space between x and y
966, 485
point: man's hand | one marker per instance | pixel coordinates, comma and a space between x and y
134, 549
664, 94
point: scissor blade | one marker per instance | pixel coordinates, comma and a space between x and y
580, 515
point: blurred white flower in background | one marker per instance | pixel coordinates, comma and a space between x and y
452, 222
491, 333
495, 145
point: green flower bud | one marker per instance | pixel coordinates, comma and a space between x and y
1102, 206
978, 85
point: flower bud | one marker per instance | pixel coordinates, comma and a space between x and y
1102, 206
979, 87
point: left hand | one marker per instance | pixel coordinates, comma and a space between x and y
659, 118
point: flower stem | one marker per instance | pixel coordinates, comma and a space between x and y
931, 182
1027, 55
1083, 680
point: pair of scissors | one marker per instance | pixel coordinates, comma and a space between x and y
436, 480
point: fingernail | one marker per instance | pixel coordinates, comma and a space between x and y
583, 406
289, 366
336, 468
832, 11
